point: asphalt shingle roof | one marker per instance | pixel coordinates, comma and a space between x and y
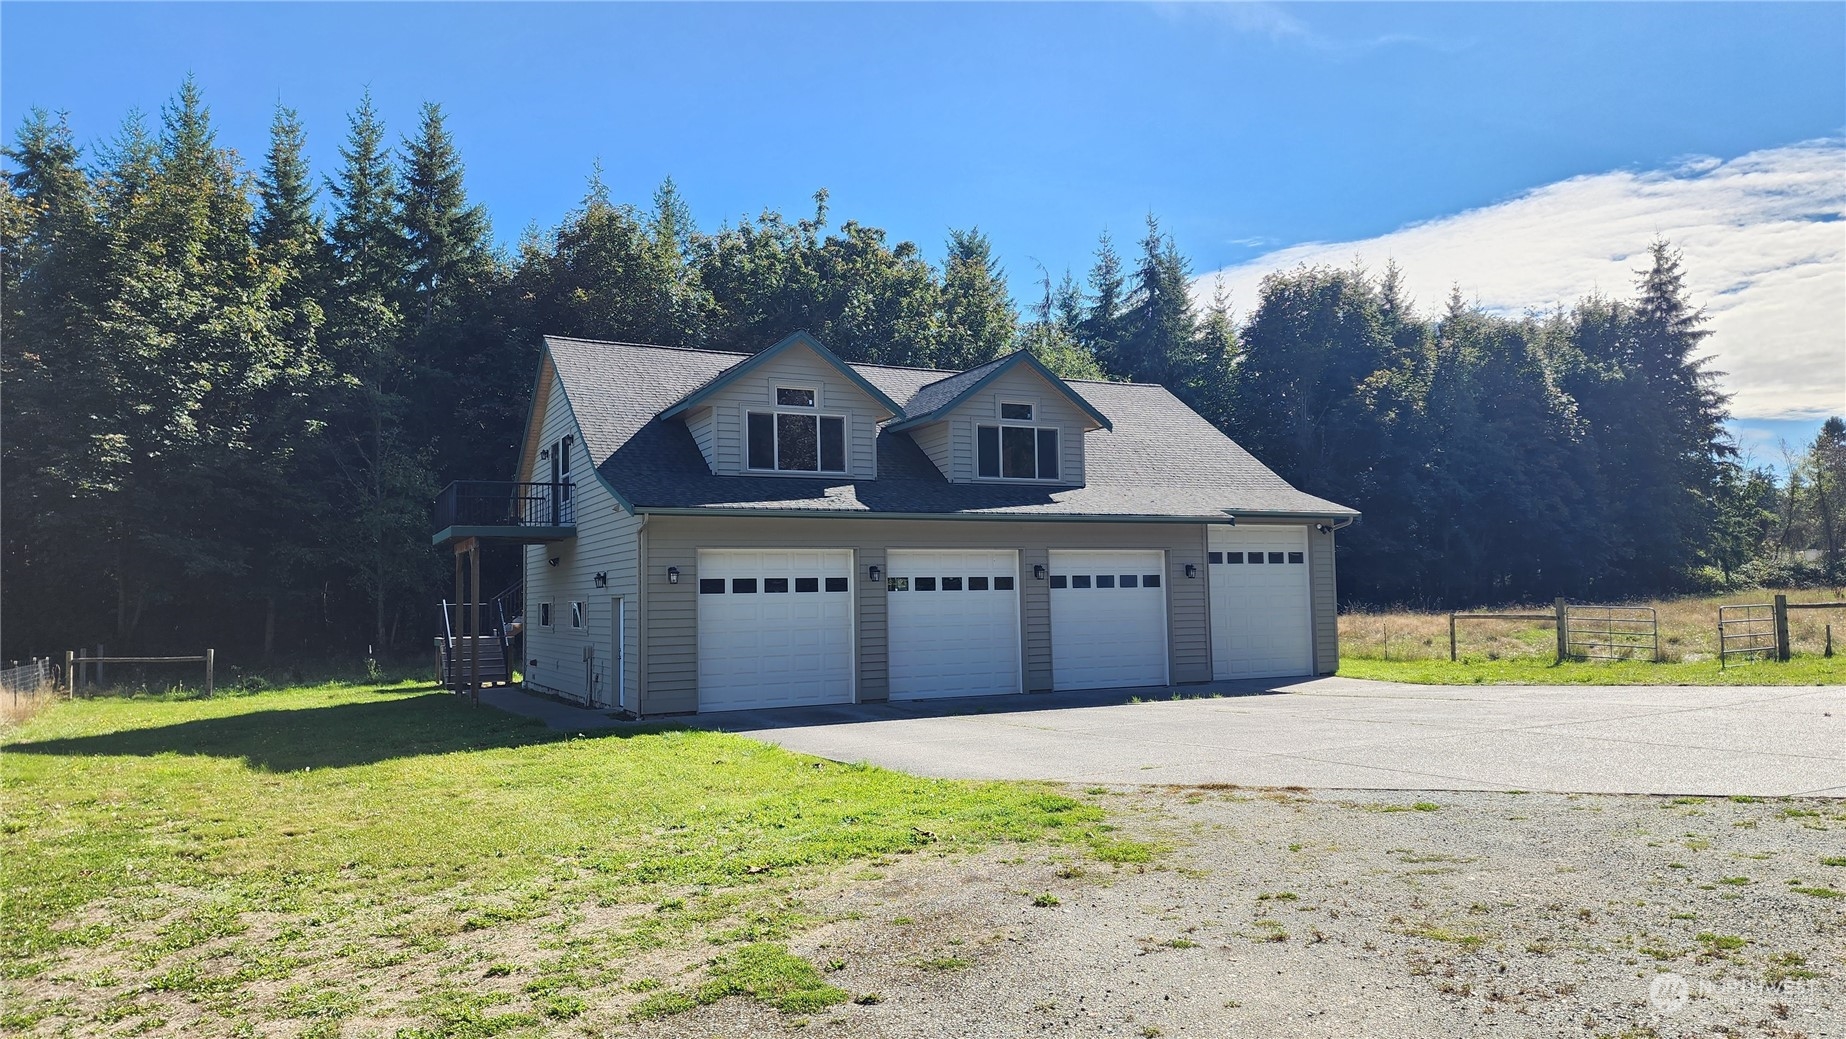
1162, 460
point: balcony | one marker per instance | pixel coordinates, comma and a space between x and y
505, 512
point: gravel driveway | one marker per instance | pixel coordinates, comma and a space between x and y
1339, 733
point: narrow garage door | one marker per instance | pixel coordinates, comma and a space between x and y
1108, 620
1260, 619
954, 623
775, 628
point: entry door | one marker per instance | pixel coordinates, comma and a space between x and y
1261, 619
619, 679
775, 628
1108, 619
953, 621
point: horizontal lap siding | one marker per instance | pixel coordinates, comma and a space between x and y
1326, 602
799, 367
672, 644
606, 542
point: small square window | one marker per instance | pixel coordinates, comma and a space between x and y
951, 584
790, 397
977, 584
1022, 412
1003, 584
1296, 557
1080, 580
1130, 580
1058, 580
775, 584
807, 584
743, 585
1105, 580
897, 584
1215, 557
711, 586
1275, 557
836, 584
926, 584
1233, 557
1150, 580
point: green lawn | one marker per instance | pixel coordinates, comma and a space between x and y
1533, 670
394, 859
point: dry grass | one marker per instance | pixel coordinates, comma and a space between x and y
18, 711
1688, 629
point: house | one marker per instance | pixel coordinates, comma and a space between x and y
709, 531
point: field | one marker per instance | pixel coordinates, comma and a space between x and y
1412, 646
391, 861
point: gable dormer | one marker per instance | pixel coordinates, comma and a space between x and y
1007, 421
794, 409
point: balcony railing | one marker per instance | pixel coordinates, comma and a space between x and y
501, 509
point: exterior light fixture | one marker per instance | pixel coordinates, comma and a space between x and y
1038, 571
602, 579
1323, 528
553, 561
672, 575
877, 572
1191, 570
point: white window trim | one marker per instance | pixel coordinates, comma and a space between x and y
775, 387
1034, 427
579, 615
776, 438
1000, 411
547, 616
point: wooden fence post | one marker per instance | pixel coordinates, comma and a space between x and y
1451, 638
210, 659
1563, 629
1781, 627
101, 652
70, 672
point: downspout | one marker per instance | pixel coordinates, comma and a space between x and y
641, 582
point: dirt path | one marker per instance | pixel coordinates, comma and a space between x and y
1285, 913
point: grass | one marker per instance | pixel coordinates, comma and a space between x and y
1412, 646
415, 862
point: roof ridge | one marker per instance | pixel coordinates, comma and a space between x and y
653, 346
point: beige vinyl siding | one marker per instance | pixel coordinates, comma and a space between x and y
571, 663
1325, 601
1022, 385
800, 367
934, 440
704, 433
674, 541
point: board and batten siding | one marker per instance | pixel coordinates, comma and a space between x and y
671, 685
800, 367
578, 664
1019, 384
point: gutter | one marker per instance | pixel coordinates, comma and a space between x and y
1226, 519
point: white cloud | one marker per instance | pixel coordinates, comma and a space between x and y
1764, 238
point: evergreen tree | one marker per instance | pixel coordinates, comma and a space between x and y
445, 237
1101, 331
978, 320
1157, 330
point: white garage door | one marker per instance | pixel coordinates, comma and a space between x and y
1108, 619
1260, 619
954, 623
775, 628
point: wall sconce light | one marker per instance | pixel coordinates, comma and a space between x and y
602, 579
545, 453
1191, 570
877, 572
532, 663
1323, 528
1038, 571
672, 575
553, 561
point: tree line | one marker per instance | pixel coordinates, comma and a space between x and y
230, 393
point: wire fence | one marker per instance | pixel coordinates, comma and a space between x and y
25, 686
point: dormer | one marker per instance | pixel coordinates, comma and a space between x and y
1008, 421
794, 409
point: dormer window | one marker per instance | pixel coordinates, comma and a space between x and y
785, 441
794, 397
1016, 411
1016, 452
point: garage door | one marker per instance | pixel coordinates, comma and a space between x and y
1108, 619
775, 628
954, 623
1260, 619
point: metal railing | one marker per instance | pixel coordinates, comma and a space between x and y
495, 503
1612, 633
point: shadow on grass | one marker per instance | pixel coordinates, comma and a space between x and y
339, 736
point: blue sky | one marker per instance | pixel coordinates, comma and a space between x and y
1248, 129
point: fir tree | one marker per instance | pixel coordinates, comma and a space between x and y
978, 320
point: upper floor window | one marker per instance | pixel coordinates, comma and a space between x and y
1013, 410
1016, 452
801, 443
794, 397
